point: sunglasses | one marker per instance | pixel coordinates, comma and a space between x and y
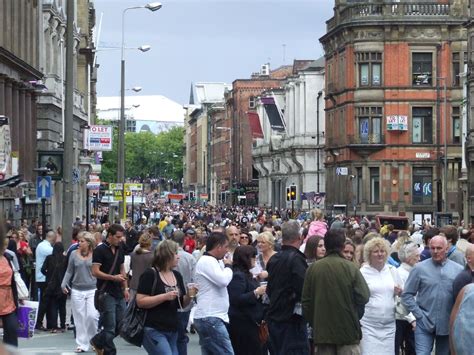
244, 237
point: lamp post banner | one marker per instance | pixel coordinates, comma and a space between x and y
98, 138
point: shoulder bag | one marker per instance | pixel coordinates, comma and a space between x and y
133, 322
99, 294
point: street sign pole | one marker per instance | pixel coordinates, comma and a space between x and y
43, 216
292, 209
87, 208
133, 207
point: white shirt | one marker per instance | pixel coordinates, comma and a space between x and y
42, 251
212, 278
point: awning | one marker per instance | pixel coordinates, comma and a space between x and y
274, 116
255, 126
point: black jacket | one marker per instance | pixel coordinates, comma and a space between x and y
286, 271
242, 301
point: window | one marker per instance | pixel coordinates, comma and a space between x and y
358, 185
370, 68
369, 120
456, 125
458, 67
342, 71
422, 120
422, 69
422, 186
374, 186
252, 102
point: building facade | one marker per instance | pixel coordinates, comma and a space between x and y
293, 155
469, 142
394, 106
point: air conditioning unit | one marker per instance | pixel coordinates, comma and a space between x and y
265, 69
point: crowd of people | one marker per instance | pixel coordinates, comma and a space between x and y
248, 281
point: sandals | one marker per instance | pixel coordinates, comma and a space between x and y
79, 350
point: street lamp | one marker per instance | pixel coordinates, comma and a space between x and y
154, 6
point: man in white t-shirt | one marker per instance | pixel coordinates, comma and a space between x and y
213, 274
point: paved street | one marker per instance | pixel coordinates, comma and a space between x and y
64, 344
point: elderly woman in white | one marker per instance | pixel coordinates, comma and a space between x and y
378, 322
409, 255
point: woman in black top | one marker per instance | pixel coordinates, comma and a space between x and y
54, 268
162, 302
246, 309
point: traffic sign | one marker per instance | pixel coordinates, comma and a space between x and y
342, 171
43, 186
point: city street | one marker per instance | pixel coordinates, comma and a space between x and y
63, 343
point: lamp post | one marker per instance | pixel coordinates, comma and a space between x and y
154, 6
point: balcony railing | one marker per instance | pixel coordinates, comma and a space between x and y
390, 11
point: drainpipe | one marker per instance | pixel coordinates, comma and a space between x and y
320, 93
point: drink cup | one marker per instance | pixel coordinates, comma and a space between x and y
192, 289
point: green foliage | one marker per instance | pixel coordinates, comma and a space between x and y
147, 155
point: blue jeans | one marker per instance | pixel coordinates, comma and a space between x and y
110, 318
157, 342
424, 342
213, 336
183, 339
289, 338
10, 326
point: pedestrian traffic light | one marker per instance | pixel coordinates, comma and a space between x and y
288, 195
293, 192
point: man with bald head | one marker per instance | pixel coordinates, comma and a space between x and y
428, 295
233, 235
467, 275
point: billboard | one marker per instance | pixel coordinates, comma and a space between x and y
98, 138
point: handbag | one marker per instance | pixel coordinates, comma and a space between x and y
263, 333
23, 293
400, 309
133, 322
100, 294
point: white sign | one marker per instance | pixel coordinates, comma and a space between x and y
342, 171
5, 151
397, 123
422, 155
93, 183
98, 138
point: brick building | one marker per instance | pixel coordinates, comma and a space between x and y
394, 106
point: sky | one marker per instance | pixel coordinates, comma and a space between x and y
204, 40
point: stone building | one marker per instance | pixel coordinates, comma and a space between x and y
394, 105
20, 73
292, 154
469, 191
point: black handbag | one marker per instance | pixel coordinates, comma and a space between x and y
133, 322
100, 294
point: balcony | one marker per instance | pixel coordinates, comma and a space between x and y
366, 144
394, 11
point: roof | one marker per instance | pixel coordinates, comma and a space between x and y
317, 64
208, 92
143, 108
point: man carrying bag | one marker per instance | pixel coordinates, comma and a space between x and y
112, 292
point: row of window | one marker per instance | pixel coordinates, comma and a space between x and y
370, 66
370, 120
422, 186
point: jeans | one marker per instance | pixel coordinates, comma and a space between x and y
10, 326
213, 336
183, 339
424, 342
114, 309
157, 342
289, 338
404, 337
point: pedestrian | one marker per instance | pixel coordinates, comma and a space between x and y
409, 255
314, 249
213, 274
348, 252
162, 302
318, 226
80, 284
451, 234
245, 237
8, 293
428, 294
378, 322
43, 249
461, 323
108, 269
186, 267
54, 268
233, 235
246, 308
334, 293
140, 260
286, 271
266, 249
467, 275
131, 236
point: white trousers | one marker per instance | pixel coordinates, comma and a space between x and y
86, 317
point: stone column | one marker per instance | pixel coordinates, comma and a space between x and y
30, 136
2, 95
14, 123
22, 137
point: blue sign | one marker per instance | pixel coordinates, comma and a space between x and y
43, 186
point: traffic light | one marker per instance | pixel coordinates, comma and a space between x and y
293, 192
288, 195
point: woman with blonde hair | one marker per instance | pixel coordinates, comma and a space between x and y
318, 226
266, 249
378, 322
140, 260
79, 281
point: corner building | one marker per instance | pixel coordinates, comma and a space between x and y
394, 106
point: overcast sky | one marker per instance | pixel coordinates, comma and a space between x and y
204, 40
